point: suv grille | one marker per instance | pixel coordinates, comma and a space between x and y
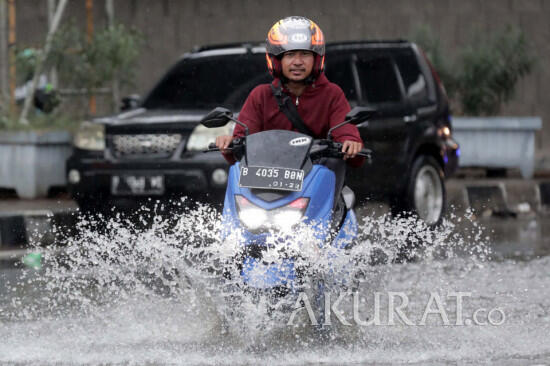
159, 145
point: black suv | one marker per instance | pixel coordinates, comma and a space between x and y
154, 148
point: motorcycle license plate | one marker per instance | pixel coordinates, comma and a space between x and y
137, 185
283, 179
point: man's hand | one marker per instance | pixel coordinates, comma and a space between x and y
351, 148
223, 142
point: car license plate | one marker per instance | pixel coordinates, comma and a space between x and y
271, 178
137, 185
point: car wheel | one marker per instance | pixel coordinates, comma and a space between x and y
425, 193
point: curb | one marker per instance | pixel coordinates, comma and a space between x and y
20, 230
499, 197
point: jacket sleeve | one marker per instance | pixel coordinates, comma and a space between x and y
251, 115
339, 108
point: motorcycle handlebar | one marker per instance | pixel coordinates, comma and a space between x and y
334, 149
330, 149
234, 144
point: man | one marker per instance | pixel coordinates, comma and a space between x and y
295, 54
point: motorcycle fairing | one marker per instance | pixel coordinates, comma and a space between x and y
319, 186
258, 274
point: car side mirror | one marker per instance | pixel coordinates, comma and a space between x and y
218, 117
130, 102
359, 114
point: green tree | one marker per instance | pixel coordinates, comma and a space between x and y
490, 71
112, 54
485, 73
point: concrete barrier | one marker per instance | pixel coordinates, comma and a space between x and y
544, 196
23, 229
32, 162
13, 232
499, 197
497, 142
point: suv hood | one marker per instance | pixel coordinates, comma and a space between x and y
141, 116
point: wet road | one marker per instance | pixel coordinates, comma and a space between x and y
118, 306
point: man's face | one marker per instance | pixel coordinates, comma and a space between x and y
297, 65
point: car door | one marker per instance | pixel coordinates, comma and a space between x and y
380, 86
420, 96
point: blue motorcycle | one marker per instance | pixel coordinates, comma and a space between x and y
284, 180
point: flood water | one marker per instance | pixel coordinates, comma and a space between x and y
117, 294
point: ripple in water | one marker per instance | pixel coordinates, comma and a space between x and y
168, 292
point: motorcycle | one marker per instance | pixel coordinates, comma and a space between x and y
282, 180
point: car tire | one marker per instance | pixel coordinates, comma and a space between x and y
425, 194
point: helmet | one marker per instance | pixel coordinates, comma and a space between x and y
294, 33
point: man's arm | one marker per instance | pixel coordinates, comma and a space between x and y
251, 116
348, 134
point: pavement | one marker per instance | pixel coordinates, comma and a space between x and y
23, 222
14, 206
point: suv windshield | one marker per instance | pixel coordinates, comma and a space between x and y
208, 82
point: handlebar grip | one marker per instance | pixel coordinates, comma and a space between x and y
211, 147
367, 154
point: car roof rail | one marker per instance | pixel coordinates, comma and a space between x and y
368, 41
374, 44
247, 45
250, 45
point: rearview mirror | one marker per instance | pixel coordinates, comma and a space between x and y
218, 117
356, 116
359, 114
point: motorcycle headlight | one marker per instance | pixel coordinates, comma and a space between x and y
202, 136
282, 218
90, 136
286, 219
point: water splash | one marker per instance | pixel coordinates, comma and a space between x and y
166, 289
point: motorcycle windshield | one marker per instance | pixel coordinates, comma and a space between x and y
278, 149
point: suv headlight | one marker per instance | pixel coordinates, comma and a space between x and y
90, 136
444, 131
202, 136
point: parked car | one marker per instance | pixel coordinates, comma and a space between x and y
154, 149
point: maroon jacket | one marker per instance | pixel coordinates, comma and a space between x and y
322, 105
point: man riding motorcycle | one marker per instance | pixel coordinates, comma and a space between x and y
282, 177
295, 55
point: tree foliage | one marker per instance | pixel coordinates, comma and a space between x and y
81, 64
111, 54
485, 73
